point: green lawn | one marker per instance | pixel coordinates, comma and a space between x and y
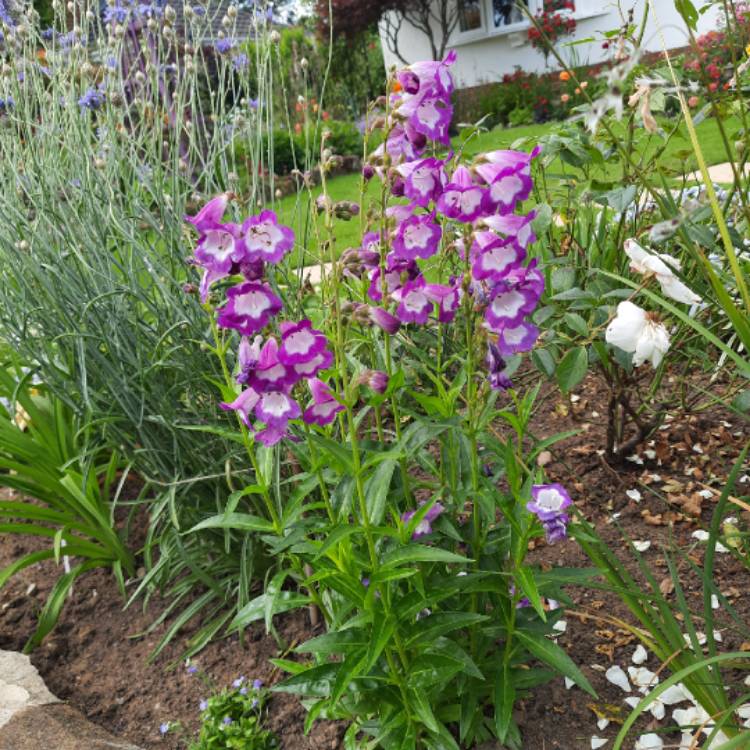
293, 210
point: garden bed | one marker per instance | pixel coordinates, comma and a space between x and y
97, 658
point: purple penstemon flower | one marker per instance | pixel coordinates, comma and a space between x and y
416, 299
496, 259
269, 373
383, 319
244, 405
507, 187
424, 527
424, 180
270, 436
428, 115
462, 199
513, 225
520, 161
496, 367
515, 339
265, 239
248, 356
324, 408
217, 252
509, 304
315, 365
276, 408
210, 216
249, 307
417, 237
376, 380
449, 303
548, 503
398, 271
399, 145
429, 75
301, 343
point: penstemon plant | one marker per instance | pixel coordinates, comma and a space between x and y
395, 481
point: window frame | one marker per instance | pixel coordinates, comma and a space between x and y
487, 29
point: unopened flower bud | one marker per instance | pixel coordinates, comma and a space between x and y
190, 288
90, 16
368, 172
70, 7
22, 245
376, 380
100, 163
383, 319
323, 204
170, 13
274, 37
278, 194
345, 210
232, 11
303, 63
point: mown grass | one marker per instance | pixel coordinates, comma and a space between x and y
676, 157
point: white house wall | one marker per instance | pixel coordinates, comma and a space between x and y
484, 57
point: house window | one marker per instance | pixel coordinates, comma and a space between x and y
507, 13
469, 15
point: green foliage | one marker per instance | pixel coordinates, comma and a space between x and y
233, 720
64, 491
291, 150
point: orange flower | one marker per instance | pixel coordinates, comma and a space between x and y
578, 90
564, 76
397, 86
584, 84
565, 98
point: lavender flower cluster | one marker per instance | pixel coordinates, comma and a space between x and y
270, 370
480, 199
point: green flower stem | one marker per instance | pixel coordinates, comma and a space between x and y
220, 347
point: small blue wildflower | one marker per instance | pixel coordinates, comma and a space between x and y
47, 34
257, 684
7, 104
238, 682
163, 728
226, 721
91, 100
199, 11
203, 705
254, 103
21, 77
222, 46
192, 669
254, 704
243, 691
240, 62
111, 63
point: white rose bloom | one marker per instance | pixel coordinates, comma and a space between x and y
661, 266
636, 331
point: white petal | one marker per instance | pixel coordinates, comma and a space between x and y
617, 676
674, 288
649, 741
672, 695
657, 710
602, 724
642, 546
644, 679
568, 683
634, 495
625, 330
744, 711
632, 701
560, 626
640, 655
597, 742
